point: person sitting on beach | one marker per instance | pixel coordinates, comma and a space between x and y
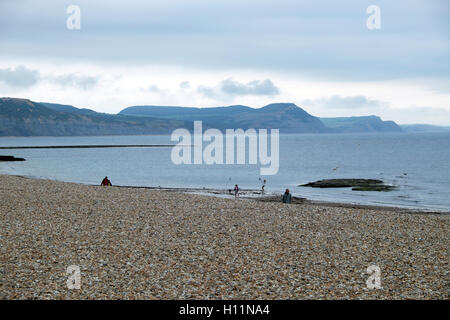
106, 182
236, 191
287, 198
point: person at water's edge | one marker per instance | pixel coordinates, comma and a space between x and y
236, 191
287, 198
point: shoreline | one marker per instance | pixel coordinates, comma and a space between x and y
255, 194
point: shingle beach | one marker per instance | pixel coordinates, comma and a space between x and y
150, 244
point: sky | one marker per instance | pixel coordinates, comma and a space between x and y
320, 55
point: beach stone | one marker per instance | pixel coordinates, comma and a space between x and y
127, 246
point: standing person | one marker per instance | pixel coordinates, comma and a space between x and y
236, 191
287, 198
263, 186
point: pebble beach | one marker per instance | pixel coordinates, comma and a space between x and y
132, 243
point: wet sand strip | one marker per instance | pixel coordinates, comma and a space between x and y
92, 146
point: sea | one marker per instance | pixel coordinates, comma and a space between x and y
417, 163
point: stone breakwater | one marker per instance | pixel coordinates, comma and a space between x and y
152, 244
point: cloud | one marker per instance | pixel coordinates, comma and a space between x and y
74, 80
153, 88
338, 102
234, 88
22, 77
19, 77
283, 36
255, 87
207, 91
185, 85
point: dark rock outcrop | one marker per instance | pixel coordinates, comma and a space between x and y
10, 158
355, 184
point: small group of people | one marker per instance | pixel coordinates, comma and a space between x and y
287, 196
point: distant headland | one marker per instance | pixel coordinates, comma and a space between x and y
23, 117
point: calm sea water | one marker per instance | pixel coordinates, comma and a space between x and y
419, 164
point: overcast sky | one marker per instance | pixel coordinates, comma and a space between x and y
317, 54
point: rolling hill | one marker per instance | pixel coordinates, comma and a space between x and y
23, 117
288, 117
